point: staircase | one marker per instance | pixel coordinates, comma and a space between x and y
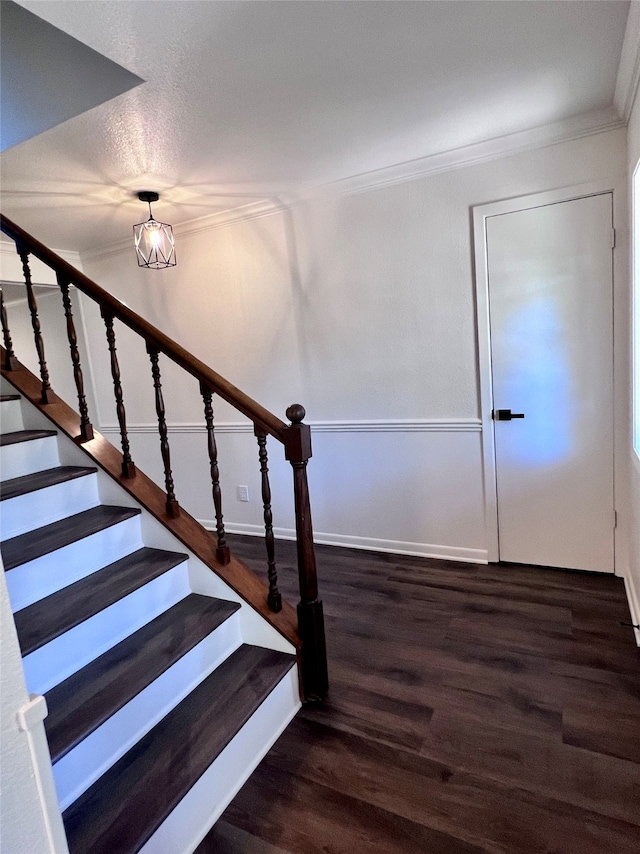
161, 700
169, 668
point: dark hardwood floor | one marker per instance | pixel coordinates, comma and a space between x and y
471, 709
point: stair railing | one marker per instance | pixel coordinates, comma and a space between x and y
295, 436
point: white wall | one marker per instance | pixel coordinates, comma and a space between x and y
361, 307
30, 821
633, 577
54, 331
52, 322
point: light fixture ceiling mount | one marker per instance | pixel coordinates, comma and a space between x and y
148, 196
154, 242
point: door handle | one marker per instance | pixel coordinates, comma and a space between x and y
505, 415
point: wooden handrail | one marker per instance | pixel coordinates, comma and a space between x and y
204, 374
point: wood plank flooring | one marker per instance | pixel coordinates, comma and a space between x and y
471, 709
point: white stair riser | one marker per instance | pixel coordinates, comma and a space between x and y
185, 827
83, 765
28, 457
45, 575
60, 658
11, 416
37, 509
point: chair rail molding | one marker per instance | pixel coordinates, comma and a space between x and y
409, 425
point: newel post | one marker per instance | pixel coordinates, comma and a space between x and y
315, 680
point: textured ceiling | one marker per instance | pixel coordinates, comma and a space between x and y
246, 100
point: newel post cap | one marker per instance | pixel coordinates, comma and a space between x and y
297, 441
296, 413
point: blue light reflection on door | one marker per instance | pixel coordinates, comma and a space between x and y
539, 377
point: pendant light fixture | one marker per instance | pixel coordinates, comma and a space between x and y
155, 246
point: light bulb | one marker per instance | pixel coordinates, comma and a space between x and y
155, 237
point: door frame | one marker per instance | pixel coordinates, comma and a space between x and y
483, 330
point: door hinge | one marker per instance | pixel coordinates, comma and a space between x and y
613, 238
615, 518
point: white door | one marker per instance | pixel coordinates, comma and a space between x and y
551, 328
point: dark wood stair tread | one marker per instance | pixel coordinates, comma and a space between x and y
50, 617
41, 541
42, 479
89, 697
5, 398
24, 436
123, 809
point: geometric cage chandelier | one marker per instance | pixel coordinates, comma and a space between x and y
155, 246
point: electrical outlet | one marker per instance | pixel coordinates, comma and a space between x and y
242, 493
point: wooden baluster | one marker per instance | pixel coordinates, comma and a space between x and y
10, 361
173, 508
274, 599
315, 679
222, 550
86, 428
128, 467
46, 395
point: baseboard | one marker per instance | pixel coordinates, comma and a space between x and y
634, 603
372, 544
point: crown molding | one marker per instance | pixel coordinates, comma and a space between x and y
254, 210
41, 274
628, 77
8, 248
576, 127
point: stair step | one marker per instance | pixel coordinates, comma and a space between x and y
85, 700
34, 544
51, 617
5, 398
127, 804
41, 480
33, 500
24, 436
